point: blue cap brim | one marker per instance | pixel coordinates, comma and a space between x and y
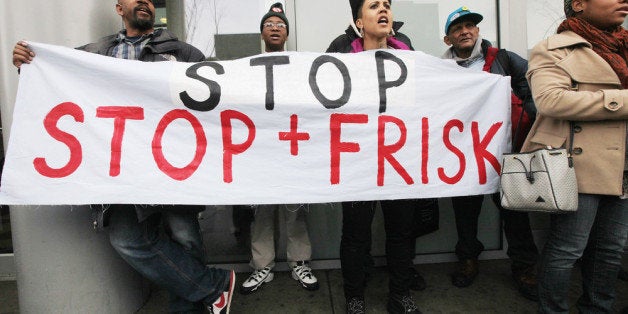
473, 17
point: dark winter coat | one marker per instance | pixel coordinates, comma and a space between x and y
343, 42
162, 47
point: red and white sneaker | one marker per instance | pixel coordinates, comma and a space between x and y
223, 303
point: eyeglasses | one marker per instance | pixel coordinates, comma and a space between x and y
271, 25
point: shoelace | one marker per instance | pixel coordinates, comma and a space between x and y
408, 304
303, 271
259, 275
355, 306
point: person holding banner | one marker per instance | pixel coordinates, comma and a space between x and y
376, 30
469, 50
163, 243
274, 28
428, 220
579, 80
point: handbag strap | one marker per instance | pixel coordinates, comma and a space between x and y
570, 149
571, 134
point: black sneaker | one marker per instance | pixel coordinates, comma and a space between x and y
223, 303
356, 305
402, 304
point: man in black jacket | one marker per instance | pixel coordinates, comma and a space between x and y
174, 259
469, 50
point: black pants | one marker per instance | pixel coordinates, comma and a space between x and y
521, 248
355, 244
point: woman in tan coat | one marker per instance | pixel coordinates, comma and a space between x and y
580, 75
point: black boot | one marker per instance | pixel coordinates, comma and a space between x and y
465, 273
525, 280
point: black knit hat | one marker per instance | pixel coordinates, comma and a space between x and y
355, 7
275, 10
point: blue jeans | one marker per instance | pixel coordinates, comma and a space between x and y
596, 233
167, 249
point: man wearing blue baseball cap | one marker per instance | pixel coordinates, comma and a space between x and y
462, 14
469, 50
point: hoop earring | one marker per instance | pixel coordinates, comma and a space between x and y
362, 32
392, 32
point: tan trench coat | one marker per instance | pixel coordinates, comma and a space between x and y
570, 82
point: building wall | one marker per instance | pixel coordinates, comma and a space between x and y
65, 22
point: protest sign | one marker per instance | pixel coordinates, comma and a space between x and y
274, 128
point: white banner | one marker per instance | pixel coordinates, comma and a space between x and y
273, 128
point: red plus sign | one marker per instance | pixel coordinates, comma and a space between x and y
293, 136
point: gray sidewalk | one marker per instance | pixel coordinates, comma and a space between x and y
493, 292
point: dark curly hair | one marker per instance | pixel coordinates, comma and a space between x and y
569, 12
